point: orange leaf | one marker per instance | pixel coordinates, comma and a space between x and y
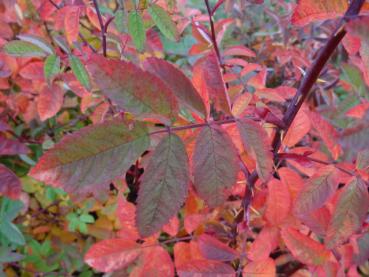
300, 127
278, 202
265, 268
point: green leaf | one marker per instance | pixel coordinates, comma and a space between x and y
18, 48
9, 209
119, 20
164, 185
215, 164
349, 213
256, 142
92, 156
79, 71
38, 41
163, 21
7, 256
12, 233
136, 29
134, 90
316, 191
86, 218
51, 66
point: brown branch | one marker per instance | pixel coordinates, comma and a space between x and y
308, 81
102, 26
314, 71
213, 35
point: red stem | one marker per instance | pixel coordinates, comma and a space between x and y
194, 126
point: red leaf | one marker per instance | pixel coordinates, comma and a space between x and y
154, 261
12, 147
50, 101
239, 50
327, 133
256, 142
215, 164
264, 244
205, 268
71, 22
10, 185
303, 248
112, 254
293, 180
132, 89
172, 226
126, 213
278, 202
186, 252
213, 83
193, 221
33, 71
213, 249
189, 262
265, 268
310, 10
180, 85
350, 212
359, 111
318, 220
299, 128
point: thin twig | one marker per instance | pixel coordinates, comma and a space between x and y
199, 125
213, 35
102, 26
294, 156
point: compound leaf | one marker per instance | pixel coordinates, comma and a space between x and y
92, 156
215, 164
134, 90
164, 185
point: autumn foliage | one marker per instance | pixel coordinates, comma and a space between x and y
184, 138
